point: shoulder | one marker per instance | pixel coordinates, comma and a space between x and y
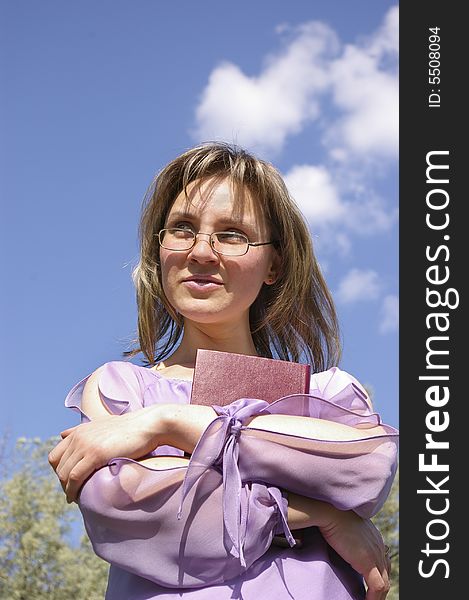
113, 387
340, 387
116, 371
116, 366
118, 375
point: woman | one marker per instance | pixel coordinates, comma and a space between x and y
193, 501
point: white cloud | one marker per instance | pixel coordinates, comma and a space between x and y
318, 198
389, 314
315, 193
320, 194
368, 99
260, 112
386, 40
366, 90
358, 285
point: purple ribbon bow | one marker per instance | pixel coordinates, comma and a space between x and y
222, 435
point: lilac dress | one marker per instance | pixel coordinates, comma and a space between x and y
205, 531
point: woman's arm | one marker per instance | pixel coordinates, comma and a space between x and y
184, 425
356, 540
131, 431
89, 446
130, 513
302, 512
349, 467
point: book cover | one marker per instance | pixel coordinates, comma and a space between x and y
222, 377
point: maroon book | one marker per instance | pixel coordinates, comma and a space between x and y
222, 377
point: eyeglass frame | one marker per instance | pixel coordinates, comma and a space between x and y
210, 241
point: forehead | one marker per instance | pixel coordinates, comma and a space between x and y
219, 198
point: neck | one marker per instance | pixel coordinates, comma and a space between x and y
230, 337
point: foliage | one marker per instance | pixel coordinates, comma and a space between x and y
38, 558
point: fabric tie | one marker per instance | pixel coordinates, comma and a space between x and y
222, 435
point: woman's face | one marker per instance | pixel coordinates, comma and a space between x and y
228, 285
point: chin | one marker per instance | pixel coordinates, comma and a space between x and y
205, 317
213, 315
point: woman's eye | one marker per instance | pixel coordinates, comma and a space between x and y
234, 237
186, 226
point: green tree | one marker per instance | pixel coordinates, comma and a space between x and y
38, 558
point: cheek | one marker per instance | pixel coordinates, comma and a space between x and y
259, 263
168, 264
250, 272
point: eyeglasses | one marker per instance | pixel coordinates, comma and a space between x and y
227, 243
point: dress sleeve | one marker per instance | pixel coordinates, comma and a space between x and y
351, 475
130, 510
119, 390
130, 515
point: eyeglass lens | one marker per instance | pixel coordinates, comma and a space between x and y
228, 243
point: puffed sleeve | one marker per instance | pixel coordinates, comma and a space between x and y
351, 475
130, 510
121, 391
130, 515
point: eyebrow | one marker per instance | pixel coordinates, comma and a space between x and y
222, 221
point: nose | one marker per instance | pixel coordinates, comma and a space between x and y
202, 250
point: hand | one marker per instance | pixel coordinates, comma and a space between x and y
89, 446
360, 543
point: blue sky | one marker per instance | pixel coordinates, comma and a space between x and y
98, 95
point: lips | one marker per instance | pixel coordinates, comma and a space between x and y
202, 284
204, 279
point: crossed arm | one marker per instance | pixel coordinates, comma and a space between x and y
88, 447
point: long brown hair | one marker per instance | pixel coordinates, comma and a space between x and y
293, 319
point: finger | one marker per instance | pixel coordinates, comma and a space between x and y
385, 574
378, 588
56, 453
63, 473
74, 468
69, 451
67, 432
76, 478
